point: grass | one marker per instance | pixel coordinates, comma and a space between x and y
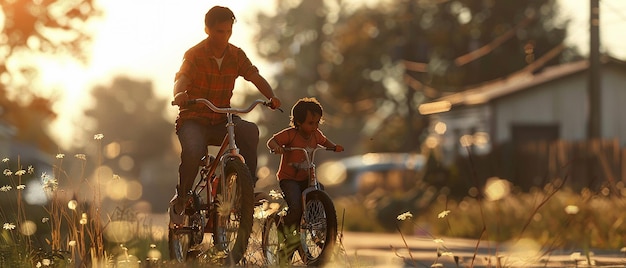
72, 228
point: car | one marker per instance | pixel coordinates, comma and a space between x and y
363, 174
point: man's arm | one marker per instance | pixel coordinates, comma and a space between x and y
265, 89
180, 90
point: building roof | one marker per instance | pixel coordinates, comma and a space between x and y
517, 82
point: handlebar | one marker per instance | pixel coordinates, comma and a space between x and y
310, 159
319, 147
216, 109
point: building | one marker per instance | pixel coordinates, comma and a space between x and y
547, 105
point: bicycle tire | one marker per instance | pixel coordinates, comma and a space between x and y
182, 240
270, 243
318, 228
232, 230
179, 244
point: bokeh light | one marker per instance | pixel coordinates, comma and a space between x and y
116, 190
28, 228
120, 231
134, 190
496, 188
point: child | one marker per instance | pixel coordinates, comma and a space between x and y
306, 116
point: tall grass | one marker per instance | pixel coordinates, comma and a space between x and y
70, 229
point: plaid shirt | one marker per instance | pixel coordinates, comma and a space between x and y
212, 82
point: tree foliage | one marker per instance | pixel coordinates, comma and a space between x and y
138, 136
372, 66
37, 27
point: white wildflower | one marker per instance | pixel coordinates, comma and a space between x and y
83, 219
283, 212
4, 160
405, 216
438, 240
21, 187
44, 219
20, 172
50, 184
443, 214
116, 177
46, 262
81, 156
8, 226
6, 188
38, 265
447, 253
7, 172
72, 243
72, 204
60, 156
31, 170
275, 194
98, 136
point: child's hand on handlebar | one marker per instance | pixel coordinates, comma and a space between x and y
278, 150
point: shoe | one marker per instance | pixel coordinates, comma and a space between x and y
176, 209
175, 218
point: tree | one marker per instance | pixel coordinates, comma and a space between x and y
373, 66
138, 136
31, 28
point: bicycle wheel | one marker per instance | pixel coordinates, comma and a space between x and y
179, 242
234, 213
318, 228
270, 240
186, 235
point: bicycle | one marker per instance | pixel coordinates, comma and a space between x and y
222, 200
318, 224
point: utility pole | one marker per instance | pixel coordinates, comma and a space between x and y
594, 87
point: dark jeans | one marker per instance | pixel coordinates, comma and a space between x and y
194, 138
293, 196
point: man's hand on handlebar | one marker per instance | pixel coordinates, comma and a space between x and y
181, 99
274, 103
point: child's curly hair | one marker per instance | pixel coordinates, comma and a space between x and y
300, 109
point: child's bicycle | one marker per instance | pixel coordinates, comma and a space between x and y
318, 224
223, 201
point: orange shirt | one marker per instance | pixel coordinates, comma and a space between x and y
212, 82
293, 163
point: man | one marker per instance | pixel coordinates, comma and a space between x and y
209, 70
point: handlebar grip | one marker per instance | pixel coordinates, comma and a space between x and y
188, 102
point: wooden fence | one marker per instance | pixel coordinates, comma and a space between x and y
590, 164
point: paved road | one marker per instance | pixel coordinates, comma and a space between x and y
390, 250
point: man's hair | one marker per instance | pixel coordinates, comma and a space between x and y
300, 109
218, 14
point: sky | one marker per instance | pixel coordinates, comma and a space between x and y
146, 39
